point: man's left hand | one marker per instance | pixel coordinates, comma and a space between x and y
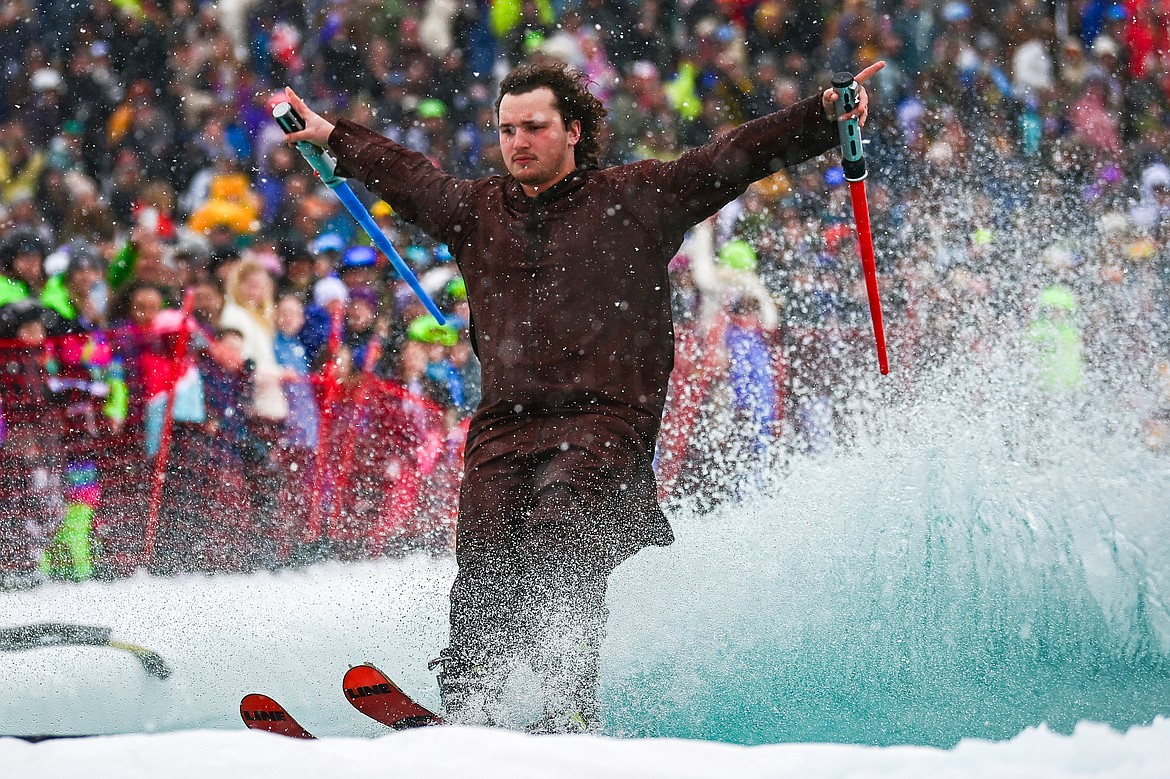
829, 96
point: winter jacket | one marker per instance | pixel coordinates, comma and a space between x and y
54, 295
12, 291
569, 294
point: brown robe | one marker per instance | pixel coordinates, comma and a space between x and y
570, 299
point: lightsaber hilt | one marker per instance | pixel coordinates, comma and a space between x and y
320, 160
852, 157
287, 118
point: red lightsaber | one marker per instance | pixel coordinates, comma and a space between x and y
853, 163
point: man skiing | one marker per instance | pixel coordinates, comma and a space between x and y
565, 265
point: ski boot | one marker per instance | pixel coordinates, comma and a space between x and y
470, 691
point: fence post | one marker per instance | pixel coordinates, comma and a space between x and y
159, 476
324, 428
349, 446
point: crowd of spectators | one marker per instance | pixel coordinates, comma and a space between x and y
1019, 184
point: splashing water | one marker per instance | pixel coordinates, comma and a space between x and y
981, 559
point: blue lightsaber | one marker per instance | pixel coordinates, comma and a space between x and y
326, 169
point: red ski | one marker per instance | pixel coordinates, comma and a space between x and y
260, 712
372, 693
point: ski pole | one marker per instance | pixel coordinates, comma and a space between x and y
325, 167
25, 637
164, 439
853, 163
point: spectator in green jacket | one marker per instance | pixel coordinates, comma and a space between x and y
76, 294
1057, 341
22, 265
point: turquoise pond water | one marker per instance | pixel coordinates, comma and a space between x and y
964, 570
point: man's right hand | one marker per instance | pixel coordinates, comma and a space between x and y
829, 97
317, 128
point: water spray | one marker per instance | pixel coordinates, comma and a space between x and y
325, 166
853, 163
349, 444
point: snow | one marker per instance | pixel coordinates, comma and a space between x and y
458, 753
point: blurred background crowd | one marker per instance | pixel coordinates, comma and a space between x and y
1019, 184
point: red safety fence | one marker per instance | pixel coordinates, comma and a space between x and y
31, 450
696, 356
387, 468
382, 478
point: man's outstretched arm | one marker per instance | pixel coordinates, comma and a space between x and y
704, 179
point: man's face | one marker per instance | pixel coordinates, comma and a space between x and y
290, 316
207, 302
233, 342
537, 149
359, 276
300, 272
32, 333
360, 315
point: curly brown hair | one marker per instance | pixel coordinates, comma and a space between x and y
570, 88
